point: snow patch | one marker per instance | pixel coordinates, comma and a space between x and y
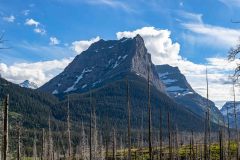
169, 81
162, 75
55, 92
174, 89
124, 40
84, 86
125, 56
116, 64
72, 88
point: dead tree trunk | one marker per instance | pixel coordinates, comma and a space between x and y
160, 135
205, 138
129, 123
149, 118
5, 128
19, 141
90, 128
43, 145
229, 136
235, 121
35, 146
114, 145
220, 144
50, 140
169, 138
209, 119
69, 133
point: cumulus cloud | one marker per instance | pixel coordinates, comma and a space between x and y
164, 51
40, 31
79, 46
38, 72
32, 22
54, 41
38, 27
158, 43
10, 18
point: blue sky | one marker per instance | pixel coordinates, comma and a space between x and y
43, 32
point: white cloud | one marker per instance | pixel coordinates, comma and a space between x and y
32, 22
193, 17
54, 41
164, 51
158, 43
231, 3
9, 19
213, 35
40, 31
38, 27
38, 72
79, 46
112, 3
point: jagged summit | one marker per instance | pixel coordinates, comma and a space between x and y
104, 62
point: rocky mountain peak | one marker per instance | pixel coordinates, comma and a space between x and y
104, 62
28, 84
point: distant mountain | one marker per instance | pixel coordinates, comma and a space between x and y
28, 84
180, 90
102, 63
228, 108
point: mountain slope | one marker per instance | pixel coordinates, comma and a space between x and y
228, 108
32, 106
180, 90
102, 63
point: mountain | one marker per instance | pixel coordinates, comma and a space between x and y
28, 84
181, 91
102, 69
102, 63
228, 108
